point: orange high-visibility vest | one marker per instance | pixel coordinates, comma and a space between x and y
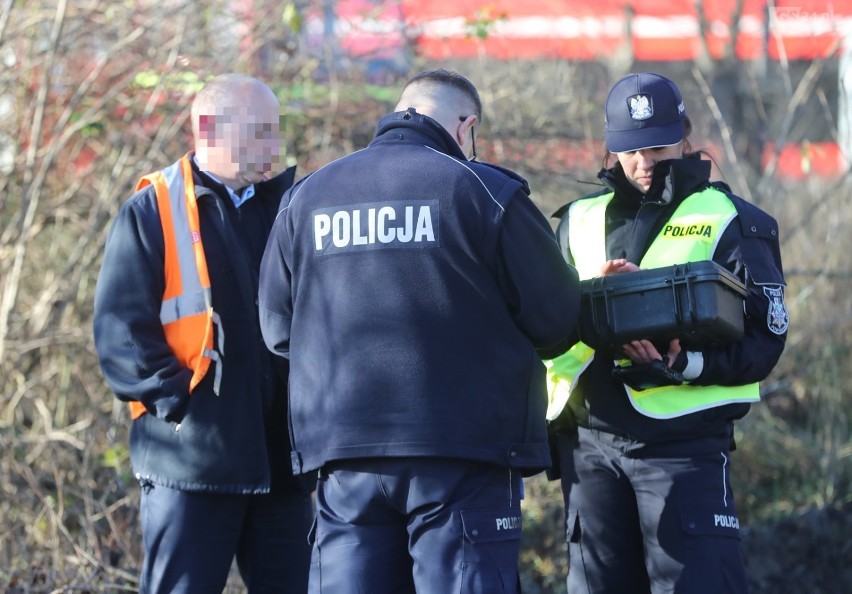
186, 312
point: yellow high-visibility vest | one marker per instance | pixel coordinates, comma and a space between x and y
690, 235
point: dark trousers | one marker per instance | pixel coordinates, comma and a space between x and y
405, 525
648, 524
191, 540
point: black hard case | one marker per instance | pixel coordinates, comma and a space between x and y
699, 302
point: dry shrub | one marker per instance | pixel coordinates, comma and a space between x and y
81, 125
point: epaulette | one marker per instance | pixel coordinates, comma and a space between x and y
755, 221
560, 212
525, 186
720, 185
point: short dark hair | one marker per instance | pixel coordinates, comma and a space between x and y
444, 77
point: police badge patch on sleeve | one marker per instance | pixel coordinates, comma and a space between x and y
777, 317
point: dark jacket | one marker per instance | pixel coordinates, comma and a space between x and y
410, 288
749, 248
235, 442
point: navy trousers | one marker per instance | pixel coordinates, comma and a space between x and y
191, 540
405, 525
644, 524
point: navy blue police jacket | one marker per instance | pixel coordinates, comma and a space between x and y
234, 442
410, 288
749, 248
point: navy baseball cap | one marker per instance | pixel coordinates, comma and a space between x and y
643, 110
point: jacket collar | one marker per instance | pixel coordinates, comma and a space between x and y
275, 186
416, 127
673, 180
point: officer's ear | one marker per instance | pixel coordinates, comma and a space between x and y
467, 130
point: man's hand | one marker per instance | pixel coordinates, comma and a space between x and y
617, 267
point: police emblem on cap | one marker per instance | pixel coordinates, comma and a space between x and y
777, 316
640, 107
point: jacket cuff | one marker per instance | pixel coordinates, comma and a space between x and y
694, 365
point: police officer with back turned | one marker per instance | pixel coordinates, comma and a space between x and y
410, 288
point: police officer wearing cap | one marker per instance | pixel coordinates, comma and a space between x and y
410, 287
645, 466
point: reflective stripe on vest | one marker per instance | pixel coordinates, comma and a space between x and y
563, 373
691, 235
186, 312
583, 216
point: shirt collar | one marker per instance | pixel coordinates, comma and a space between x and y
237, 196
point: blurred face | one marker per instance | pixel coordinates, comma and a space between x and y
242, 143
639, 165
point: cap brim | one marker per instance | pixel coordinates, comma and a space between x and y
642, 138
